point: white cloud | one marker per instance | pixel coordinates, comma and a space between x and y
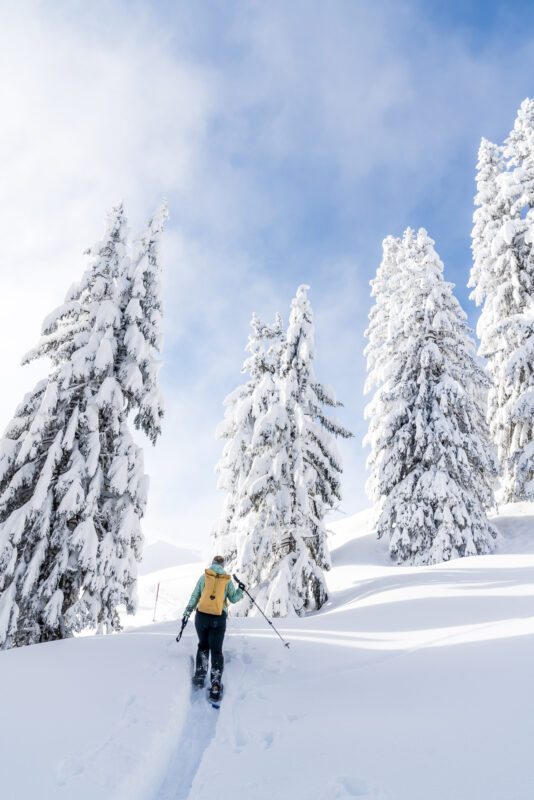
94, 109
263, 123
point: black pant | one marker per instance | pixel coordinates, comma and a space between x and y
210, 629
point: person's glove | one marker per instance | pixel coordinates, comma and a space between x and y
185, 617
241, 585
187, 613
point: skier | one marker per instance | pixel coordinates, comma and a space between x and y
210, 598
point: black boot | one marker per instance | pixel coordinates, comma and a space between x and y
201, 667
215, 691
217, 667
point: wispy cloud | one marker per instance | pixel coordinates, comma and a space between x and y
289, 139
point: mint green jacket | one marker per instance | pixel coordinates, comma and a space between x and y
230, 593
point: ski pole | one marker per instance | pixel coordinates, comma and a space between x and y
242, 585
184, 623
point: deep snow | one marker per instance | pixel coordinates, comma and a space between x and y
411, 684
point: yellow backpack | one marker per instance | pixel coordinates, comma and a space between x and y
212, 598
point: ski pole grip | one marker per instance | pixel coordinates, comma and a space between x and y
239, 583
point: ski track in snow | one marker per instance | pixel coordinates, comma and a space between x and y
251, 730
199, 730
197, 734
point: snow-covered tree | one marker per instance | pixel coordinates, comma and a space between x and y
143, 339
72, 485
488, 217
381, 342
313, 467
281, 470
432, 467
503, 280
244, 535
377, 333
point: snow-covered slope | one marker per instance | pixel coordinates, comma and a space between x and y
162, 555
411, 684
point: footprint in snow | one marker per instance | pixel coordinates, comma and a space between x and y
240, 740
267, 739
68, 769
346, 787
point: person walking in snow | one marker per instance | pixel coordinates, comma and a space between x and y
210, 598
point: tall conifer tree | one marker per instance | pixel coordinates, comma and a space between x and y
72, 484
143, 338
378, 332
252, 468
503, 280
432, 468
314, 461
281, 469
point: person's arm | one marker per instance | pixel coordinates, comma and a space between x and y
234, 595
195, 597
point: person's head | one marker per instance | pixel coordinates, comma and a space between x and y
218, 560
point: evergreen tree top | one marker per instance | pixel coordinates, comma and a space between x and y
91, 306
300, 335
519, 146
489, 165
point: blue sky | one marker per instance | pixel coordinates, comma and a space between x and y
289, 138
